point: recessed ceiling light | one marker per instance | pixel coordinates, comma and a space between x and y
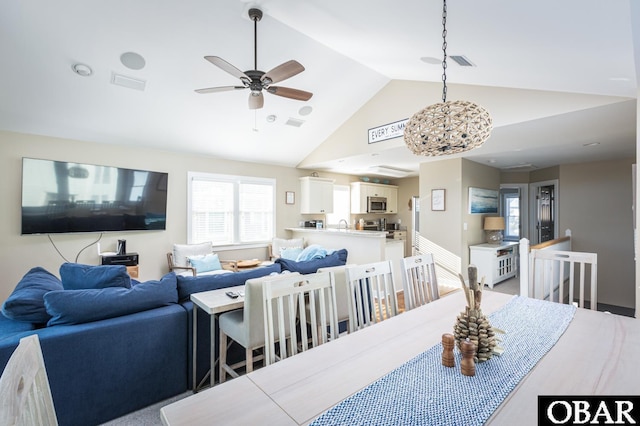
305, 110
132, 60
82, 69
271, 118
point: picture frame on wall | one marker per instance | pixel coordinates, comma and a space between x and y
483, 201
438, 199
290, 197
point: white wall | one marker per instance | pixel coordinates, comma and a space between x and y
20, 253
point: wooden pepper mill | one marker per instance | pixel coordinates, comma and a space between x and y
468, 365
448, 342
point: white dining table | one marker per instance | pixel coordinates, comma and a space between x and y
596, 355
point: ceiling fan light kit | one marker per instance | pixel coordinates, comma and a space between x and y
257, 80
449, 127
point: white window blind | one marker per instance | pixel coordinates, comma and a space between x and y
229, 210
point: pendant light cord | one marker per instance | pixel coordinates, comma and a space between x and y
444, 50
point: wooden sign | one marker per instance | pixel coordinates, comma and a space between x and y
388, 131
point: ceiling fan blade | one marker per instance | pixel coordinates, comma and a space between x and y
256, 101
282, 72
219, 89
226, 66
299, 95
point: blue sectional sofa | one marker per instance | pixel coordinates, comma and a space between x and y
112, 345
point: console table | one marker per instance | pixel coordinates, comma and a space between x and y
495, 262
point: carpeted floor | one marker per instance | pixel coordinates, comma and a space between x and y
149, 416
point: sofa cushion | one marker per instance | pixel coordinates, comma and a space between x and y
337, 258
207, 263
26, 302
80, 306
188, 285
76, 276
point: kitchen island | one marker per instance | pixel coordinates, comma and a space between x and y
362, 246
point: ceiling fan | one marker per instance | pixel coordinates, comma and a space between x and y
257, 80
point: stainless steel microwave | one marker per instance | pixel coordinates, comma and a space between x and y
376, 204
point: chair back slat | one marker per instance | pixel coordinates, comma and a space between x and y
550, 270
419, 280
372, 294
287, 301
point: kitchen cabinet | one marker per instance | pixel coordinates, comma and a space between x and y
316, 195
361, 190
495, 262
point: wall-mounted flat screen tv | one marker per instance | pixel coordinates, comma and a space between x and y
59, 197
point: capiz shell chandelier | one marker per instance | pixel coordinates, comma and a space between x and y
449, 127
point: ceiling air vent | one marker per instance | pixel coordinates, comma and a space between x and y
130, 82
294, 122
462, 61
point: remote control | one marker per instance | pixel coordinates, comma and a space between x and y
232, 295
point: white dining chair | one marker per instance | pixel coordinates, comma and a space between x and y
551, 270
309, 298
420, 283
25, 396
372, 294
246, 327
342, 292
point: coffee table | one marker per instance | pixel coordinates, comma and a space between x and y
213, 302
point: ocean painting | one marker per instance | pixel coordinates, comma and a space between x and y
483, 200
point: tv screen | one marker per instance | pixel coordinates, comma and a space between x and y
60, 197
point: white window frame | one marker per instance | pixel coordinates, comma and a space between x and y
236, 180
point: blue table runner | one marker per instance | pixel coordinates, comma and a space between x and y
424, 392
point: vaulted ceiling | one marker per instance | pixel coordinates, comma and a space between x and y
555, 76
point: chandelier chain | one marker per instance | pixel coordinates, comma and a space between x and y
444, 51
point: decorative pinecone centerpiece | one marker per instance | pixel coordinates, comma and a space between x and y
472, 324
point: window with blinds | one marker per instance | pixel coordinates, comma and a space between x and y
228, 210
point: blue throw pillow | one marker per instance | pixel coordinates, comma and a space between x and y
206, 263
337, 258
290, 253
314, 251
26, 303
76, 276
86, 305
188, 285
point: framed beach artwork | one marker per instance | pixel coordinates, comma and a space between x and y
483, 201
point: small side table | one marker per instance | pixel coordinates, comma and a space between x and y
214, 303
495, 262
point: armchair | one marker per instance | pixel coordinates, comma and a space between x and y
198, 259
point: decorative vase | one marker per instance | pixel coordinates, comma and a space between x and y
472, 324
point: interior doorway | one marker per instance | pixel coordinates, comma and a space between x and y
544, 211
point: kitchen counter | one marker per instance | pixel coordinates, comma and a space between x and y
340, 232
362, 246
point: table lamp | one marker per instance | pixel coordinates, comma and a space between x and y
494, 226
